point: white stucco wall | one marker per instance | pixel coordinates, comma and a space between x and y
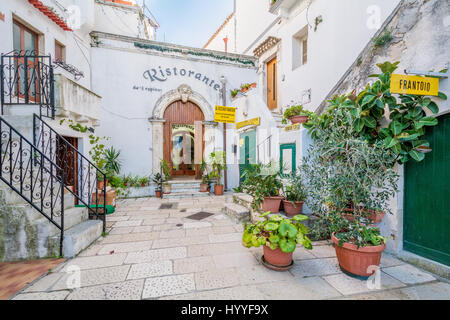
126, 111
226, 30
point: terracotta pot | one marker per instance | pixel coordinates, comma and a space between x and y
244, 90
375, 217
299, 119
158, 193
292, 210
272, 204
203, 187
357, 261
218, 189
277, 257
253, 85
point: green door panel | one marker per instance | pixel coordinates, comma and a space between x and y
427, 198
247, 150
287, 159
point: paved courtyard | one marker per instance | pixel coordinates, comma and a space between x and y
160, 253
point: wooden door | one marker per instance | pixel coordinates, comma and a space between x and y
272, 91
427, 191
180, 139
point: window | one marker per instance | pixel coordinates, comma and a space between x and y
60, 52
300, 48
24, 39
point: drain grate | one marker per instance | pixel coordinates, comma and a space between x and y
183, 210
168, 205
200, 216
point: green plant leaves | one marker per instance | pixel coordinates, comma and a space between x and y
418, 156
370, 122
287, 229
287, 245
428, 121
271, 226
300, 218
396, 127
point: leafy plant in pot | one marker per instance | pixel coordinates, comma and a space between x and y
295, 194
204, 185
158, 180
296, 114
217, 166
167, 188
279, 236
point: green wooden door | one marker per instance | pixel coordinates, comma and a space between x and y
427, 198
287, 159
247, 150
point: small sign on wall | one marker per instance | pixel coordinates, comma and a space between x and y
404, 84
225, 114
251, 122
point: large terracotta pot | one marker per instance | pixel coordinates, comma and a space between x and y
218, 189
272, 204
277, 257
299, 119
374, 216
101, 184
357, 261
203, 187
292, 210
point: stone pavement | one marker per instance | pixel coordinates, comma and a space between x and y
153, 253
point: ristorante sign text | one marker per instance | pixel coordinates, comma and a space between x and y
160, 74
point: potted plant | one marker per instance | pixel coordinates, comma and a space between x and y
101, 183
143, 181
253, 85
263, 184
358, 247
205, 177
374, 215
167, 187
279, 238
217, 166
296, 114
244, 88
234, 93
295, 195
126, 180
158, 180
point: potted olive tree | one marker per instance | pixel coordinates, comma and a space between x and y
217, 166
279, 238
295, 194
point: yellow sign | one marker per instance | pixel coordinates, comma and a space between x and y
405, 84
251, 122
225, 114
292, 127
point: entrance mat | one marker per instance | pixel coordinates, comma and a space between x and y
109, 209
200, 216
169, 205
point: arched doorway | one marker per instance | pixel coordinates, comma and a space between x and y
183, 138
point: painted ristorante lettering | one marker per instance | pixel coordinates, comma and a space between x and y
163, 74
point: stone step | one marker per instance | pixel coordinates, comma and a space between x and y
81, 236
236, 212
185, 190
182, 195
243, 199
72, 217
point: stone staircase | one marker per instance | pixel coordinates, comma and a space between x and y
185, 189
27, 234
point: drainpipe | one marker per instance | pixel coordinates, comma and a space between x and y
224, 103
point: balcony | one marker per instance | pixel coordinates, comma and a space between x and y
74, 100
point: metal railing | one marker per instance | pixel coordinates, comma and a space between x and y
32, 175
81, 176
27, 78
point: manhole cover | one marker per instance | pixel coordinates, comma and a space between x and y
168, 205
179, 225
183, 210
200, 216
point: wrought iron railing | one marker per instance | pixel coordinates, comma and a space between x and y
81, 176
32, 175
27, 78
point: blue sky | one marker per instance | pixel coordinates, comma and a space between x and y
189, 22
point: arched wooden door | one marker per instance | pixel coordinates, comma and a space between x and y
183, 138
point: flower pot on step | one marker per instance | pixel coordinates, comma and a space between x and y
299, 119
292, 209
203, 187
277, 257
272, 204
158, 193
167, 188
218, 189
358, 261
